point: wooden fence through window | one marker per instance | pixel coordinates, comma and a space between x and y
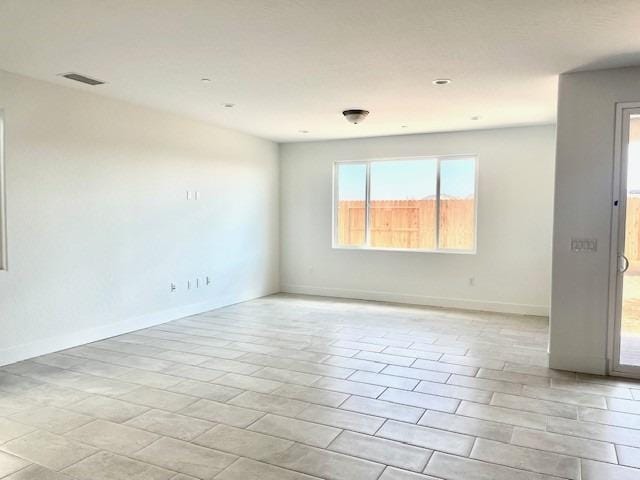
408, 223
632, 230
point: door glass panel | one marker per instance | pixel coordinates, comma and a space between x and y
630, 322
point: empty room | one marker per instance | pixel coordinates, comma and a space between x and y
319, 239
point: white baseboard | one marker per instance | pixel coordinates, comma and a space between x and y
462, 303
579, 363
69, 340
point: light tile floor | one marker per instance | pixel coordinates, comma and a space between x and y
293, 388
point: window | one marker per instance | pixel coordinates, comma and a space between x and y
3, 230
422, 204
352, 194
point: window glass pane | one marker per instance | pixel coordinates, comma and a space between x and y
352, 190
457, 203
402, 206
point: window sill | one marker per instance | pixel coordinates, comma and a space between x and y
405, 250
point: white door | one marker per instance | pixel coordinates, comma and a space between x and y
626, 257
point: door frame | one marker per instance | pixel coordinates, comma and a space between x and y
623, 114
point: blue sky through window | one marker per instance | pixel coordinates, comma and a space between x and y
457, 177
352, 181
407, 179
403, 180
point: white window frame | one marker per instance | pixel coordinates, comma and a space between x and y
3, 203
367, 242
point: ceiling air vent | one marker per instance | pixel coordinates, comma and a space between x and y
82, 79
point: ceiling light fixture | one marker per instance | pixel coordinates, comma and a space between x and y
441, 81
303, 131
476, 117
404, 126
205, 80
228, 105
355, 115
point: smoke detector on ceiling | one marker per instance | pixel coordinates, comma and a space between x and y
355, 116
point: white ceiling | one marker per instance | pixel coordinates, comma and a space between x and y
292, 65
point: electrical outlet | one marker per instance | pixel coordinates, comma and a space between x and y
172, 288
472, 281
584, 245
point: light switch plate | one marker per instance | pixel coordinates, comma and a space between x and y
584, 245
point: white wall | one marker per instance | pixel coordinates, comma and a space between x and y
583, 203
99, 224
512, 268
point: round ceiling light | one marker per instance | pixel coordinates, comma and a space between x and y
441, 81
355, 115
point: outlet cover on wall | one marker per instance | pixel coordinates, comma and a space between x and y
584, 244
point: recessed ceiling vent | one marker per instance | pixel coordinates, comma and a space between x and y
82, 79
